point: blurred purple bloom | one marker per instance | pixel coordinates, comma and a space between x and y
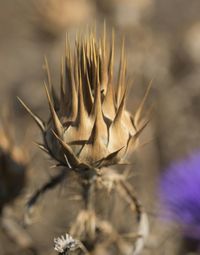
180, 193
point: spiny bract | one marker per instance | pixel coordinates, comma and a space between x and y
89, 126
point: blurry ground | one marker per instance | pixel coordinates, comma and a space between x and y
163, 45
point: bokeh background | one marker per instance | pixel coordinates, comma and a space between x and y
163, 46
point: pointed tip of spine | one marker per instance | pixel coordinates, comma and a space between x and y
38, 121
71, 157
137, 117
47, 69
121, 74
63, 103
135, 137
41, 147
82, 112
56, 121
120, 111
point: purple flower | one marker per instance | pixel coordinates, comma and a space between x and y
180, 193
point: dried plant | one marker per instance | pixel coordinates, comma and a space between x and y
13, 171
13, 163
89, 130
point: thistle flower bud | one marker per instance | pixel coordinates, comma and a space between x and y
89, 126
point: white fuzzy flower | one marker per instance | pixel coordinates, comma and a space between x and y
65, 244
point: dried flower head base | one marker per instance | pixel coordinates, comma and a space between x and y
89, 130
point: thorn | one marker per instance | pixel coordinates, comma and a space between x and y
42, 147
121, 74
56, 121
46, 67
136, 135
109, 158
118, 116
67, 161
138, 113
67, 151
38, 121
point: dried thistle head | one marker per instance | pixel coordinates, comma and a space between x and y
13, 163
89, 126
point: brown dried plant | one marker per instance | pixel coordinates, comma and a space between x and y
88, 131
13, 164
14, 161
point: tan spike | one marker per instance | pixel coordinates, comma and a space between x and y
104, 40
67, 46
46, 67
73, 160
88, 94
50, 83
42, 147
68, 53
62, 79
94, 51
76, 69
87, 49
118, 133
98, 75
111, 159
104, 71
63, 104
120, 75
120, 111
82, 113
57, 124
71, 92
109, 102
138, 114
91, 56
133, 141
97, 93
84, 57
69, 67
111, 59
38, 121
100, 128
124, 74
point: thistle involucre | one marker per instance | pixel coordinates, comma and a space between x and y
89, 126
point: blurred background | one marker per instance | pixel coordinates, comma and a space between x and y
162, 45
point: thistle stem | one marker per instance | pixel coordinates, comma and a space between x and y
88, 192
